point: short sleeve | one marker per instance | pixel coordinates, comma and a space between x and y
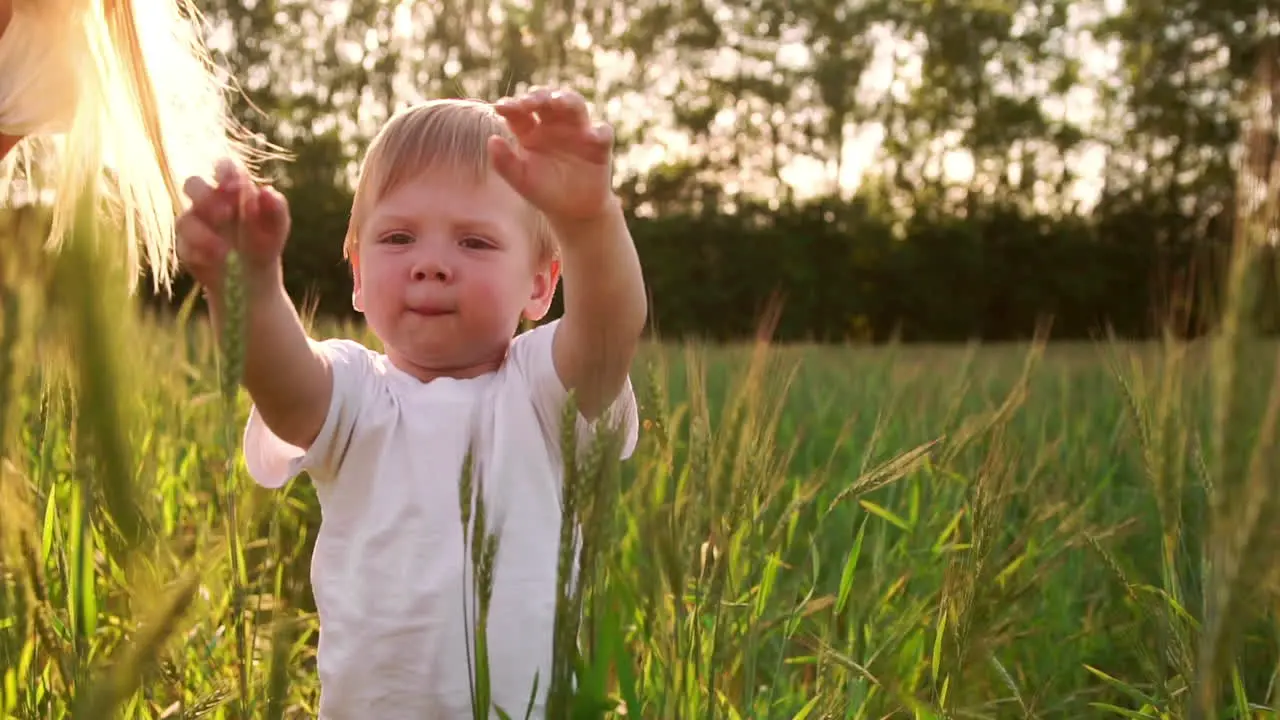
532, 357
272, 462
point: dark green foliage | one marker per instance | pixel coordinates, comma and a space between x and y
843, 275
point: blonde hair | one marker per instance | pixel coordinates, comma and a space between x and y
453, 133
147, 111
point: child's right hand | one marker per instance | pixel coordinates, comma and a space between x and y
236, 213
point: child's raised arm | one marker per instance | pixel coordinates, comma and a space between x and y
563, 166
287, 376
604, 309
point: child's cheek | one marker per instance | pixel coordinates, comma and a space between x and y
386, 277
491, 294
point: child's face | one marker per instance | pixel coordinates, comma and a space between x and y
445, 268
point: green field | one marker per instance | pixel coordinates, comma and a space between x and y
1009, 531
913, 532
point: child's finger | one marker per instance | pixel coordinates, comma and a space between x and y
195, 235
537, 97
509, 165
603, 133
528, 102
563, 106
197, 189
206, 202
518, 116
269, 212
272, 206
227, 173
198, 246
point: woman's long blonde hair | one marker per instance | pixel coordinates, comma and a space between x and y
151, 111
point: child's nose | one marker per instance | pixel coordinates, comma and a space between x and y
438, 274
431, 269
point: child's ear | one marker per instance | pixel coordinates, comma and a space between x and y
357, 292
544, 290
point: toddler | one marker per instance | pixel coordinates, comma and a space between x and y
465, 216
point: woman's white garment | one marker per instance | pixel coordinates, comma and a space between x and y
389, 570
66, 89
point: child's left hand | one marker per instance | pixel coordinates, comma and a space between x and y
562, 163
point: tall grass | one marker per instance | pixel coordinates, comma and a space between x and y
1043, 531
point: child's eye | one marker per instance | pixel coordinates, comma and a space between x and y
396, 238
476, 242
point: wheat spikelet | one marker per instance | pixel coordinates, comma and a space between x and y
231, 349
206, 704
565, 632
126, 674
233, 327
231, 337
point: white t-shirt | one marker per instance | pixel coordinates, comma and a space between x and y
390, 565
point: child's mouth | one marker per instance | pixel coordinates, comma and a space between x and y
431, 311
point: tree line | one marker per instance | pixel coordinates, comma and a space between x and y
739, 89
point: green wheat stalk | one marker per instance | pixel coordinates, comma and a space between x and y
480, 548
89, 285
231, 350
1244, 496
564, 640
